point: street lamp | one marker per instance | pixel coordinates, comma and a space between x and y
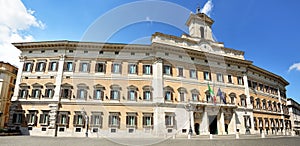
86, 117
189, 107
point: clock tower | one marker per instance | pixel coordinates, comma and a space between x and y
200, 26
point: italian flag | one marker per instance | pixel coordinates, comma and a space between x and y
212, 94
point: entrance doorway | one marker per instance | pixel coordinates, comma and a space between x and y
213, 125
197, 127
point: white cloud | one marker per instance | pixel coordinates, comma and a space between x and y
295, 66
207, 7
15, 20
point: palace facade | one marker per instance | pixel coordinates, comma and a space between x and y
69, 88
8, 75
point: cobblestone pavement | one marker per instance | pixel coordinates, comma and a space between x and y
195, 141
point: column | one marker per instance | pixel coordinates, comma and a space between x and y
281, 109
204, 125
19, 78
232, 124
247, 91
157, 81
221, 123
159, 121
59, 77
192, 122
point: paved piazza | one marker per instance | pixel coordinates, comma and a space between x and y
199, 141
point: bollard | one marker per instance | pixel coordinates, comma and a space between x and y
189, 136
174, 136
210, 136
262, 135
237, 136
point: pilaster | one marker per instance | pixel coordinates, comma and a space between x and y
59, 78
157, 81
204, 123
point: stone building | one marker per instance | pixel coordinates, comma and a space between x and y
8, 74
294, 112
176, 85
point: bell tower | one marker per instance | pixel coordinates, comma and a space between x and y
200, 25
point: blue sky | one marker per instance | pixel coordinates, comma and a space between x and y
267, 30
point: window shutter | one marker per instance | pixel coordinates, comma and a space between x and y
120, 68
69, 93
104, 67
44, 66
151, 121
35, 120
127, 120
97, 67
88, 67
73, 65
102, 95
52, 93
128, 95
118, 121
112, 68
27, 117
75, 120
144, 69
24, 66
92, 120
85, 94
80, 67
144, 121
135, 122
136, 95
109, 121
31, 67
58, 120
136, 69
166, 120
65, 66
174, 121
41, 118
150, 69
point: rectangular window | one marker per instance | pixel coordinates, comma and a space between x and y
115, 95
49, 93
168, 95
114, 120
69, 67
220, 77
82, 94
169, 120
147, 69
131, 120
40, 67
131, 95
132, 69
96, 120
240, 80
63, 119
17, 118
98, 94
53, 66
44, 118
181, 95
79, 120
84, 67
167, 70
230, 79
261, 87
148, 120
207, 76
28, 67
31, 118
195, 97
23, 93
36, 93
193, 74
147, 95
116, 68
249, 84
100, 68
180, 71
66, 93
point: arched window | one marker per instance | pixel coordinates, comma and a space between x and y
147, 93
232, 98
49, 91
115, 92
36, 91
98, 92
264, 104
132, 93
243, 100
195, 95
168, 93
66, 91
23, 92
257, 103
82, 91
182, 93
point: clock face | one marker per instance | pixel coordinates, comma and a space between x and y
206, 47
